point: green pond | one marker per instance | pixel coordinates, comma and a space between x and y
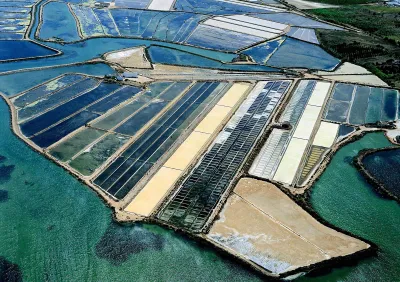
53, 228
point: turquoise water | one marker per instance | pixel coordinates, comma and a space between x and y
58, 22
56, 229
95, 47
342, 197
11, 84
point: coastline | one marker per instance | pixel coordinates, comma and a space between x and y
119, 215
378, 186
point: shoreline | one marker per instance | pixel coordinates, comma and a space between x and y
300, 200
375, 183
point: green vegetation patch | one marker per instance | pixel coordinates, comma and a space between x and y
375, 54
378, 49
381, 21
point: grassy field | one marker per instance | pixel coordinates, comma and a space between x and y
377, 20
378, 49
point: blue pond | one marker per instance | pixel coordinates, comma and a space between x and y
219, 7
298, 54
20, 49
58, 22
261, 52
11, 84
163, 55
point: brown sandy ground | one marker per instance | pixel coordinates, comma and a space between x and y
262, 224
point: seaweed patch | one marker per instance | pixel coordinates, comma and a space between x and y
3, 196
118, 243
9, 272
5, 173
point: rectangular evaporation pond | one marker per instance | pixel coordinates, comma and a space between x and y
291, 160
111, 120
56, 98
374, 105
144, 115
19, 49
58, 22
183, 26
132, 22
56, 133
88, 21
92, 158
176, 23
156, 88
107, 22
55, 115
343, 92
337, 111
139, 4
159, 131
360, 105
220, 39
140, 119
389, 105
163, 5
151, 145
73, 145
174, 91
45, 89
298, 102
160, 144
196, 198
22, 4
121, 95
5, 15
14, 9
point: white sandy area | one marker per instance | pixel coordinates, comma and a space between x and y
345, 68
161, 5
326, 134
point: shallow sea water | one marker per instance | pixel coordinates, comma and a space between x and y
343, 198
53, 228
56, 229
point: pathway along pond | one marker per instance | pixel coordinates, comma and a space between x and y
56, 229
